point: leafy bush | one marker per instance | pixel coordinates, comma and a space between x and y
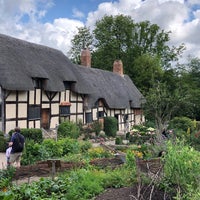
98, 152
96, 127
182, 166
31, 152
68, 129
69, 145
181, 123
3, 141
30, 134
52, 149
110, 126
118, 140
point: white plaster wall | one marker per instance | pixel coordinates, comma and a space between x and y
80, 118
73, 118
22, 123
10, 111
44, 96
38, 96
73, 96
22, 96
10, 126
80, 98
137, 119
37, 124
11, 97
54, 122
31, 124
46, 105
67, 95
94, 114
22, 110
62, 96
80, 108
31, 99
73, 108
54, 109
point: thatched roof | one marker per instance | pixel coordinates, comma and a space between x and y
116, 91
21, 62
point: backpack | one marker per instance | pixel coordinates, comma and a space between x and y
20, 145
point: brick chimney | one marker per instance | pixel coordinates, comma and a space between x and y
118, 67
86, 57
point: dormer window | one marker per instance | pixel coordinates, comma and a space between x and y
38, 83
67, 85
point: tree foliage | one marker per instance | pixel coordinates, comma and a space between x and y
170, 90
83, 39
162, 104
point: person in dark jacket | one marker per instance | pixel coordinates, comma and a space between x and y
17, 143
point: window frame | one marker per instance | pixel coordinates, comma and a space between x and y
64, 110
34, 112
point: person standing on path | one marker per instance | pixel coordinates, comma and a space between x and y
17, 143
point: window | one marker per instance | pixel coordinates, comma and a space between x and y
37, 83
64, 110
34, 112
67, 85
100, 114
88, 117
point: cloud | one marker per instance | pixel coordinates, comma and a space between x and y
77, 13
170, 15
57, 34
23, 19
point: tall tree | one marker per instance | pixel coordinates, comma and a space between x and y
83, 39
149, 71
162, 104
190, 78
119, 37
113, 36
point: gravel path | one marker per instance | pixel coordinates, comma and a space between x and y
2, 160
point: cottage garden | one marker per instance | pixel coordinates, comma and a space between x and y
179, 161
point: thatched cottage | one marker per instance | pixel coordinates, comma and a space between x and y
40, 87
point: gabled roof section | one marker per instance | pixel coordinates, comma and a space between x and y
117, 91
21, 61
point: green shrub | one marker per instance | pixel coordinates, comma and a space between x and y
182, 166
181, 123
68, 129
96, 127
53, 148
30, 134
69, 145
118, 140
3, 141
32, 153
110, 126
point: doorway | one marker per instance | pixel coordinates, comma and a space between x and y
45, 123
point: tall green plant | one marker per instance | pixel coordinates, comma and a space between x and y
2, 142
68, 129
182, 167
110, 126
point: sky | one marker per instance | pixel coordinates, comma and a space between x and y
54, 22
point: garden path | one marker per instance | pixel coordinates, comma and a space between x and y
2, 160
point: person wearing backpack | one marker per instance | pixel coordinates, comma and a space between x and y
17, 143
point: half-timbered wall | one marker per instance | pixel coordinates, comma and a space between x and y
40, 109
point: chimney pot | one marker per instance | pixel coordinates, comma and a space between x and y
86, 57
118, 67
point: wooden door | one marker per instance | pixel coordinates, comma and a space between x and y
45, 123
